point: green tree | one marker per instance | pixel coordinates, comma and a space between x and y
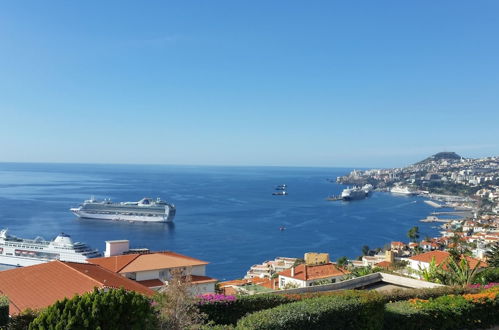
413, 233
100, 309
298, 261
342, 262
365, 250
493, 256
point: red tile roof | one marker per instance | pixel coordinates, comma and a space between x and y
305, 272
143, 262
42, 285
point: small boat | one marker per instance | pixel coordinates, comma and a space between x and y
281, 187
282, 228
280, 193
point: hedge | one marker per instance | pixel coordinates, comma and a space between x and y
228, 312
469, 311
4, 310
347, 311
425, 293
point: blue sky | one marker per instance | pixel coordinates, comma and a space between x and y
299, 83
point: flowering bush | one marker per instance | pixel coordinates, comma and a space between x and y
483, 286
215, 298
471, 310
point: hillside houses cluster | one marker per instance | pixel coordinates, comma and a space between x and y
314, 269
480, 175
467, 171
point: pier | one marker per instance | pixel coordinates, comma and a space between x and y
460, 213
435, 219
432, 203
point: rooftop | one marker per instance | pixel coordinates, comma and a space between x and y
143, 262
307, 272
42, 285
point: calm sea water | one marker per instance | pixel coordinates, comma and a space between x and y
225, 215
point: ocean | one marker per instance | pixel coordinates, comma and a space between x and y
225, 215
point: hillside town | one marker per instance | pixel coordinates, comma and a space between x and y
442, 175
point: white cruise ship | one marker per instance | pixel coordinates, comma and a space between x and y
402, 190
354, 193
16, 251
145, 210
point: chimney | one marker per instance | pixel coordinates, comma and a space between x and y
292, 271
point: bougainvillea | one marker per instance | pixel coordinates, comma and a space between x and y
215, 298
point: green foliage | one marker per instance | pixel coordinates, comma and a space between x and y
342, 261
298, 261
489, 275
413, 233
346, 311
445, 312
451, 272
493, 256
363, 271
4, 310
113, 309
426, 293
365, 250
22, 320
231, 312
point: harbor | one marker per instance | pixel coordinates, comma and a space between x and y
432, 218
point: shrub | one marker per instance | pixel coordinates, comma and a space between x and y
346, 311
113, 309
469, 311
228, 311
4, 310
22, 320
427, 293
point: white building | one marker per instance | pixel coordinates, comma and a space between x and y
303, 275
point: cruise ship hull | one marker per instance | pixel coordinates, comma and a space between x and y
21, 252
122, 217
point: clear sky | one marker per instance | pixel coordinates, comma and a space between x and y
300, 83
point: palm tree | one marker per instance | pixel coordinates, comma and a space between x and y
413, 233
342, 262
365, 250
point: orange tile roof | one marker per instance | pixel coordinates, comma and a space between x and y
151, 283
42, 285
197, 279
442, 256
233, 282
383, 264
397, 243
143, 262
114, 263
306, 272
